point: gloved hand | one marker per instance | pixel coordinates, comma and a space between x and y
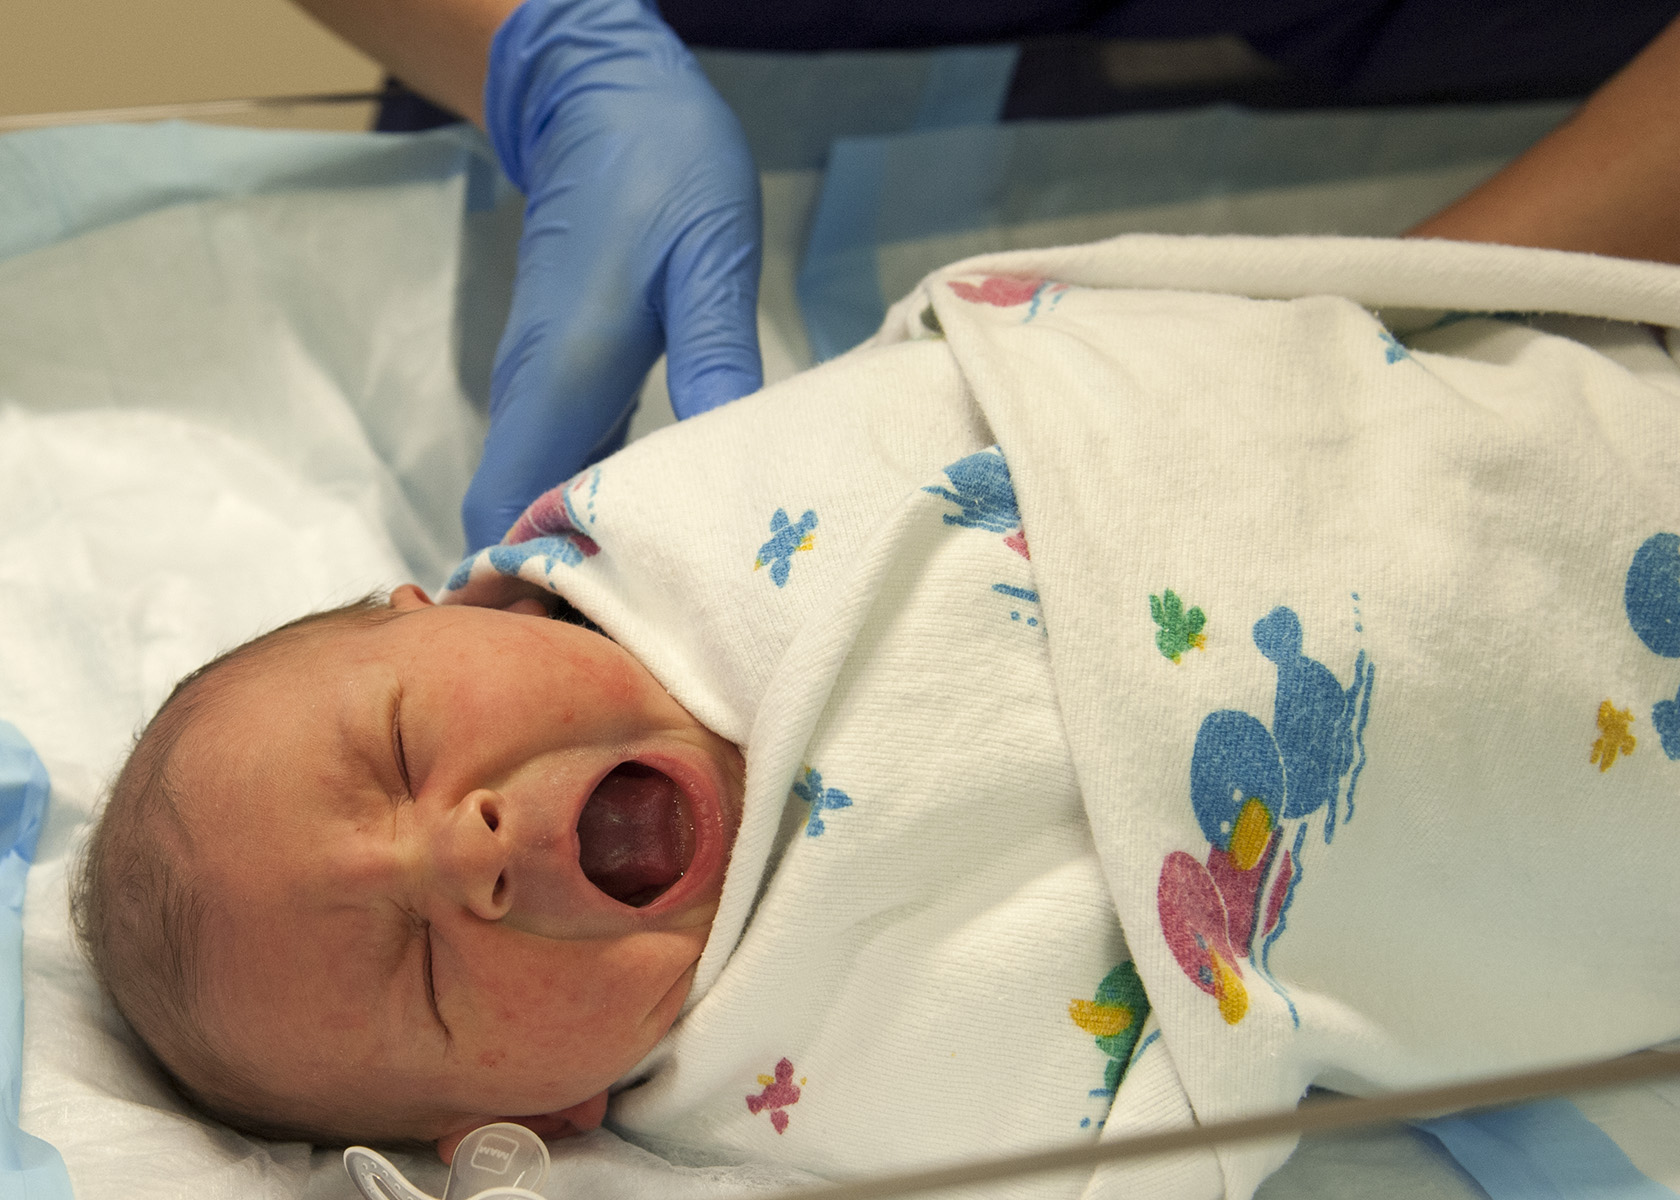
641, 232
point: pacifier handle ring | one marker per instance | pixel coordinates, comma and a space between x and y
377, 1177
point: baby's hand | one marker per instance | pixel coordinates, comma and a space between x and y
504, 592
531, 606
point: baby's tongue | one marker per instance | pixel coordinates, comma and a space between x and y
630, 834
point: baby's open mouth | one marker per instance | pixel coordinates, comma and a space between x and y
635, 838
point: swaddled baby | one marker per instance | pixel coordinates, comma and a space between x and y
427, 866
1336, 670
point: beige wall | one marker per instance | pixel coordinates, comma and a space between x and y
64, 55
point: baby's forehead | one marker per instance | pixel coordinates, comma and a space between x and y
290, 699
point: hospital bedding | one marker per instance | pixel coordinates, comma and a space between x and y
1416, 572
231, 399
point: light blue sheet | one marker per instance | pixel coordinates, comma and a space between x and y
57, 183
1547, 1150
895, 206
30, 1169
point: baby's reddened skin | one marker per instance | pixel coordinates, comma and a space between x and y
456, 866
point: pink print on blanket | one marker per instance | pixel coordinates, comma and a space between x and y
1003, 291
564, 512
779, 1091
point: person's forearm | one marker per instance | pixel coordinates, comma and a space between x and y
437, 47
1607, 181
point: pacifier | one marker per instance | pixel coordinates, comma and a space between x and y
494, 1162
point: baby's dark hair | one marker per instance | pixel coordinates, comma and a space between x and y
136, 905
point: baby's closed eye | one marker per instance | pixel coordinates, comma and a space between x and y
398, 751
428, 974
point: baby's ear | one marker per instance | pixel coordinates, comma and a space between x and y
568, 1122
409, 597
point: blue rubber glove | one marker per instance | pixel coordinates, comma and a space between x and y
641, 233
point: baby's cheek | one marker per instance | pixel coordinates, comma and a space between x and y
519, 993
546, 988
599, 1005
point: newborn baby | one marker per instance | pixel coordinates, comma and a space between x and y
414, 868
1336, 669
447, 864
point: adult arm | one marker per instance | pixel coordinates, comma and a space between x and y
641, 220
437, 47
1607, 181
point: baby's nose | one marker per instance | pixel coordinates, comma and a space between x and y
471, 853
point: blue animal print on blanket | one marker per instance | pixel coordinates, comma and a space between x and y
809, 788
1317, 724
1250, 788
1652, 599
787, 538
1652, 594
981, 490
985, 498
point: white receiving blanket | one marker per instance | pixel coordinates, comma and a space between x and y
1363, 653
934, 931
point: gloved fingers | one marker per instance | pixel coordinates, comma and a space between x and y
642, 226
563, 391
492, 504
711, 314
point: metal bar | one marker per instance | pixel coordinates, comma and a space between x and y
1312, 1117
191, 108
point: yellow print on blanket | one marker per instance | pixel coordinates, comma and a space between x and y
1614, 739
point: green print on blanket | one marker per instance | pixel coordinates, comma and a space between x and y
1180, 629
1114, 1016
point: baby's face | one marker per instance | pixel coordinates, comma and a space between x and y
461, 864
